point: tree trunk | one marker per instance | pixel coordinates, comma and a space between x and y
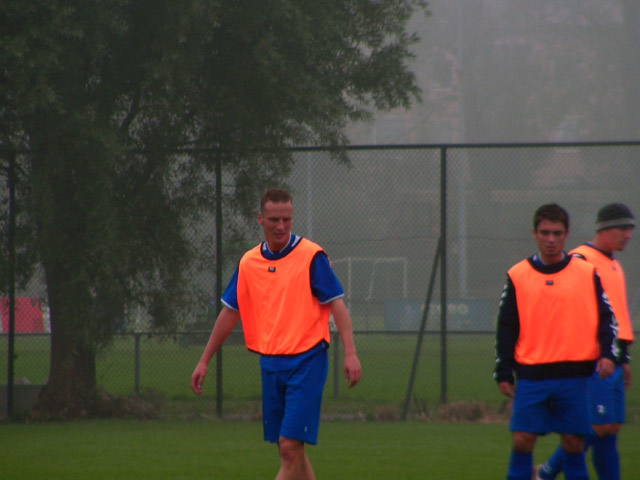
61, 219
71, 389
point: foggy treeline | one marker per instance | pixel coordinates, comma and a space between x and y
520, 71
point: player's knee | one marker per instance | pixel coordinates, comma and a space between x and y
291, 451
523, 442
573, 443
606, 429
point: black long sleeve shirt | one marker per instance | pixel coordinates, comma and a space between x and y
509, 328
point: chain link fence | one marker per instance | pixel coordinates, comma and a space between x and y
379, 217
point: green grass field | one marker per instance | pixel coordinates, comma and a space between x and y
193, 450
202, 448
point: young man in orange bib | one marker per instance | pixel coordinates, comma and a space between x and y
285, 290
555, 327
614, 224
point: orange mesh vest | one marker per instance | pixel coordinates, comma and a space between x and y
558, 314
613, 282
280, 316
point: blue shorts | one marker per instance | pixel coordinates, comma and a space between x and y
292, 399
607, 398
555, 405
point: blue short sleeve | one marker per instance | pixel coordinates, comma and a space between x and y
324, 282
230, 295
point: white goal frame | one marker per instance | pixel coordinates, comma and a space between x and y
374, 261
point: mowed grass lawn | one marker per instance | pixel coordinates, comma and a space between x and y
195, 449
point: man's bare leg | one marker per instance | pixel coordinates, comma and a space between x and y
294, 463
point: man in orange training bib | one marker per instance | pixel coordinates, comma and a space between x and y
614, 226
554, 327
285, 291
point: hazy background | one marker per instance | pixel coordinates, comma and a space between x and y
491, 71
520, 71
379, 220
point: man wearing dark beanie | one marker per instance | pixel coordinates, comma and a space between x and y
614, 225
615, 215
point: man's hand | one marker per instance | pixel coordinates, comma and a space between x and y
605, 367
197, 378
507, 388
626, 372
352, 369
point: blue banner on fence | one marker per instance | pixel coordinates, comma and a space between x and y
462, 315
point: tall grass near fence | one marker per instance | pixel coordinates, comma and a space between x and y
163, 364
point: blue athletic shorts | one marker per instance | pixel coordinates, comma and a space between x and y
556, 405
292, 399
607, 398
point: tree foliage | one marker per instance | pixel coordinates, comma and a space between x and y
118, 112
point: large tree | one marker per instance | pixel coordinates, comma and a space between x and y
118, 113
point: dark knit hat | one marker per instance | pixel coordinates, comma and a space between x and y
614, 215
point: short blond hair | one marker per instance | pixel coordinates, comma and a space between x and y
275, 195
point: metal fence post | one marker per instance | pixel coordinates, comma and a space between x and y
336, 365
12, 280
219, 392
136, 340
443, 275
423, 325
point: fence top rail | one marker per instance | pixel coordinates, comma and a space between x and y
416, 146
356, 332
450, 146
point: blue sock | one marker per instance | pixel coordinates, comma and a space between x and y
605, 457
589, 439
575, 466
520, 466
553, 466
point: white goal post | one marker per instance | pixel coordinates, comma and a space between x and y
375, 262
